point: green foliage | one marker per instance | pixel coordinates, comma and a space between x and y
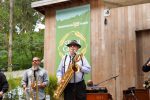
3, 51
26, 42
4, 17
14, 83
13, 89
25, 17
52, 86
25, 47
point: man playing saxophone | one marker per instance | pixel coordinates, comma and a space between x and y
76, 88
34, 81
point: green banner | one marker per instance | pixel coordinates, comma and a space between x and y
72, 24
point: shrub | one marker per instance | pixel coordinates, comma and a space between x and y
52, 86
14, 83
13, 91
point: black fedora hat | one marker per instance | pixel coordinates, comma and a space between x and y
74, 42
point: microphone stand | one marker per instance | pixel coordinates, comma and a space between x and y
114, 77
115, 86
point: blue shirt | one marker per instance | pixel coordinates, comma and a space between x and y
28, 78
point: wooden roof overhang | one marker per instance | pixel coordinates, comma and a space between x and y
42, 4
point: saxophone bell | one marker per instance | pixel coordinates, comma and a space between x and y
76, 68
77, 58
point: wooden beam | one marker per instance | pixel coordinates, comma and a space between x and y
112, 3
46, 2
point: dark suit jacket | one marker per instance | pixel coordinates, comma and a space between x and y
3, 84
146, 68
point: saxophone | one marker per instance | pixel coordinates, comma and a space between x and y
34, 86
67, 76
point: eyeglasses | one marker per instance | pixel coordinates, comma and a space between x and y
35, 60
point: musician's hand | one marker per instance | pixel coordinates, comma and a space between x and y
74, 69
33, 86
148, 64
42, 85
1, 94
58, 80
24, 88
62, 81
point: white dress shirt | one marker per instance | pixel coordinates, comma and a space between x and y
64, 64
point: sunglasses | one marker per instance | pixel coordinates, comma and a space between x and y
73, 45
35, 60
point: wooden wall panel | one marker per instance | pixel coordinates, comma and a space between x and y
113, 46
49, 41
143, 54
142, 16
96, 41
128, 20
100, 47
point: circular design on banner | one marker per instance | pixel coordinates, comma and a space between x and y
73, 35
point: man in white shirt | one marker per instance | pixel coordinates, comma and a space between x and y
76, 88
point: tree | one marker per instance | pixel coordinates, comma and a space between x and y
10, 36
26, 43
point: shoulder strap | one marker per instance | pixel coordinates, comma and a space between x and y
64, 63
27, 79
82, 65
82, 61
